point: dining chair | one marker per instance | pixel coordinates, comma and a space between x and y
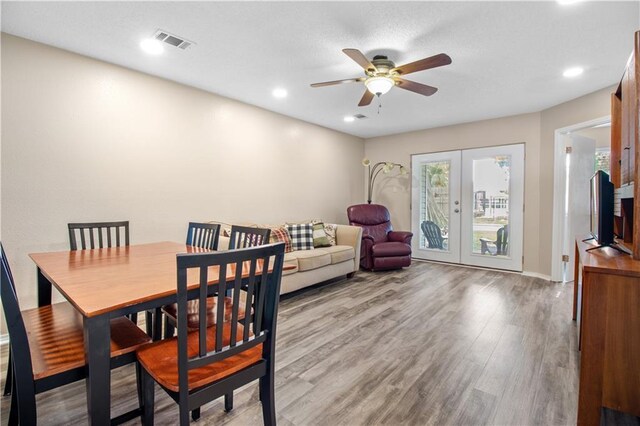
240, 237
248, 236
47, 348
198, 366
201, 235
105, 234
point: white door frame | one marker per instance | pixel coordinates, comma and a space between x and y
559, 192
514, 261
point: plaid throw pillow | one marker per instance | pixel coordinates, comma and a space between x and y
301, 236
280, 235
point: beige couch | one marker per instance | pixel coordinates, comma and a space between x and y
320, 264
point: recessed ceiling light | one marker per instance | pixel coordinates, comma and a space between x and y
152, 46
573, 72
349, 118
565, 2
279, 93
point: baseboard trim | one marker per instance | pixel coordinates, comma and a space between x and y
4, 339
525, 273
536, 275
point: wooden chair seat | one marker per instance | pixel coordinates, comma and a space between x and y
160, 359
171, 311
56, 339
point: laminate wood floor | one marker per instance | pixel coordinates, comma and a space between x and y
430, 344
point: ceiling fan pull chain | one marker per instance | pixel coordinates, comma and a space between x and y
379, 104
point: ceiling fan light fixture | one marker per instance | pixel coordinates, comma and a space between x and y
379, 85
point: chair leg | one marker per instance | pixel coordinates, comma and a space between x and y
148, 390
139, 388
267, 396
195, 414
184, 413
228, 401
157, 324
169, 329
13, 411
9, 379
149, 323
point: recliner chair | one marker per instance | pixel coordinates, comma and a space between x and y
382, 248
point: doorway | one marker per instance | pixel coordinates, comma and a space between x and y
579, 151
467, 206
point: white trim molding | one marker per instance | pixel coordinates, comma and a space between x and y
4, 339
536, 275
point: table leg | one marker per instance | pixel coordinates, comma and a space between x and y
97, 344
44, 290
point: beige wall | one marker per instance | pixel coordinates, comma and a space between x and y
602, 136
501, 131
589, 107
83, 140
536, 130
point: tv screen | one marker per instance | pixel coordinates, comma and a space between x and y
602, 208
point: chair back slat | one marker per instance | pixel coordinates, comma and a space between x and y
502, 240
247, 236
237, 285
203, 235
263, 289
202, 308
21, 355
249, 295
101, 229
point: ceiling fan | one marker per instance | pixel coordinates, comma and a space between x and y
382, 74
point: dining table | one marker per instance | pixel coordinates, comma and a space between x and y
108, 283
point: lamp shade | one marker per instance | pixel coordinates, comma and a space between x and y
379, 85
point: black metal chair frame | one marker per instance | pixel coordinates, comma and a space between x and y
433, 234
24, 387
203, 235
263, 293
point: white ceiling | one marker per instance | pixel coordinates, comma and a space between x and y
508, 57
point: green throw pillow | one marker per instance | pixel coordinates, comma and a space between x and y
320, 238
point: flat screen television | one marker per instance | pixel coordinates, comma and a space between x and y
602, 208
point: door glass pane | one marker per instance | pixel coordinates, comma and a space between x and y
491, 205
434, 205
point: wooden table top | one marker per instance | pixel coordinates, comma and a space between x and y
606, 260
103, 280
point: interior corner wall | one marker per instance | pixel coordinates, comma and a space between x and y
84, 140
535, 129
395, 192
586, 108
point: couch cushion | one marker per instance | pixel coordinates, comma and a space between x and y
339, 253
390, 249
290, 259
311, 259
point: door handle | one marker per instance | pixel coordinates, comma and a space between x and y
456, 202
457, 211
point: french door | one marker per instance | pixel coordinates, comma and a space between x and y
467, 206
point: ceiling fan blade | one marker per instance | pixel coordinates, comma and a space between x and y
420, 88
366, 98
362, 60
424, 64
331, 83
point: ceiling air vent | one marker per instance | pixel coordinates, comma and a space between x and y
360, 116
173, 39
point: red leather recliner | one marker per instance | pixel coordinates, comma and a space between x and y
382, 248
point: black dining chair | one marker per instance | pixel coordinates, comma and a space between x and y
202, 365
94, 235
240, 237
47, 348
201, 235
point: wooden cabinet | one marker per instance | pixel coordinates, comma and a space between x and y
625, 151
607, 305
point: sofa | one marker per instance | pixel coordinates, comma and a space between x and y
320, 264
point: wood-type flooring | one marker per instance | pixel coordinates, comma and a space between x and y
430, 344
